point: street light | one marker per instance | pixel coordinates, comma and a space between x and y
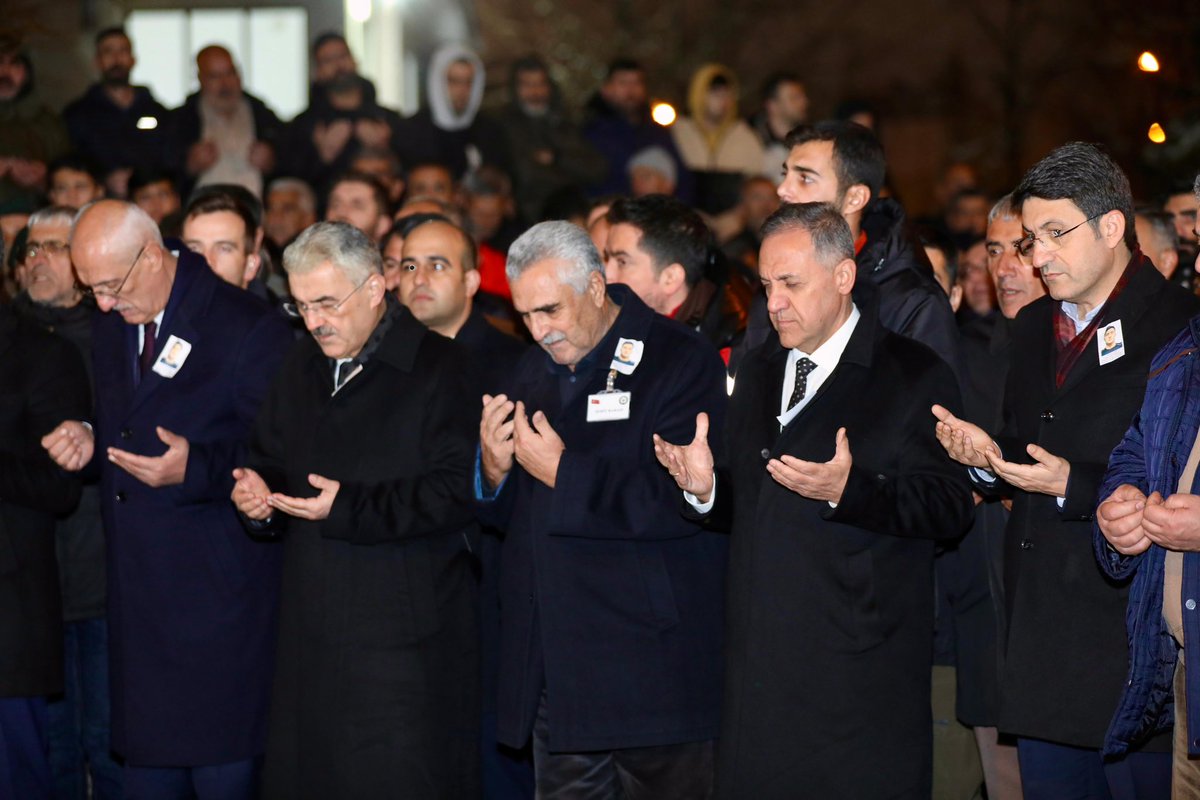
1147, 62
1156, 133
663, 113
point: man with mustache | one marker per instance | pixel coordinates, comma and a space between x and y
611, 601
359, 463
116, 124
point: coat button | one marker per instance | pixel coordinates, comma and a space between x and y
1026, 544
1048, 415
1190, 605
766, 453
126, 433
120, 497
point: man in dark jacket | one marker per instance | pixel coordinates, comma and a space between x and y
79, 720
612, 603
664, 252
439, 277
1148, 527
360, 460
343, 118
115, 124
42, 382
1067, 402
221, 134
618, 125
547, 150
182, 362
835, 493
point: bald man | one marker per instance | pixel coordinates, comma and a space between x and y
182, 361
221, 134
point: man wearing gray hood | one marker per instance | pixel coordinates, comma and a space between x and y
449, 129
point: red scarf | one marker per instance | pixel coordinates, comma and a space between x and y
1070, 345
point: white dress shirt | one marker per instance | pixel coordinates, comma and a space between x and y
826, 357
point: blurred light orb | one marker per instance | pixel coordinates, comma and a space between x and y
1156, 134
1147, 62
663, 113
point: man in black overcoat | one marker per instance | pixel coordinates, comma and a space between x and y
1067, 404
835, 489
360, 461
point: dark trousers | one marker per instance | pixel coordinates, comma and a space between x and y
79, 720
667, 772
237, 780
24, 759
1060, 772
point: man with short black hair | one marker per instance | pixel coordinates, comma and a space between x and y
660, 249
619, 126
784, 106
1066, 405
74, 181
842, 163
360, 200
219, 225
116, 124
1158, 238
153, 191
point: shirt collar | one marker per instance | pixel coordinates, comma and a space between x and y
1072, 312
829, 353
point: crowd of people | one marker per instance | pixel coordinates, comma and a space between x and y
501, 455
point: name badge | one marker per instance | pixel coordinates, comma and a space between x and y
171, 359
1110, 342
608, 406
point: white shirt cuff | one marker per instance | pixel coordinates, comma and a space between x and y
694, 502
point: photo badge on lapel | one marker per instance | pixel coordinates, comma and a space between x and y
1110, 342
173, 354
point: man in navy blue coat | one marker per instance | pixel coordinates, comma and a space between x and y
180, 371
611, 602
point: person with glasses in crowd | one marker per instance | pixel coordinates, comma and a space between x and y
1067, 404
79, 720
182, 361
359, 463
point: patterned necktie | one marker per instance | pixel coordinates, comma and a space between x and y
146, 358
803, 367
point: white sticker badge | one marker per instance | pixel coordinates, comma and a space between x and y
1110, 342
173, 354
627, 356
608, 406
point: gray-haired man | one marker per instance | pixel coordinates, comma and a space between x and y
611, 602
360, 461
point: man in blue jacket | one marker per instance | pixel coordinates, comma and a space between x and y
180, 371
611, 602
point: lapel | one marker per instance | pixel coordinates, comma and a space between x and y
858, 353
1128, 307
190, 293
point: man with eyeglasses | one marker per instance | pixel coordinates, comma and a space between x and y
359, 463
79, 721
192, 599
1067, 403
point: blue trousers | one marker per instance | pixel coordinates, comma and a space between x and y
237, 780
1060, 772
24, 759
79, 720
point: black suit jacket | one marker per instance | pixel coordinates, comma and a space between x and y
42, 383
831, 610
1066, 655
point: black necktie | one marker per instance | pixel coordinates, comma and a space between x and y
146, 358
803, 367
